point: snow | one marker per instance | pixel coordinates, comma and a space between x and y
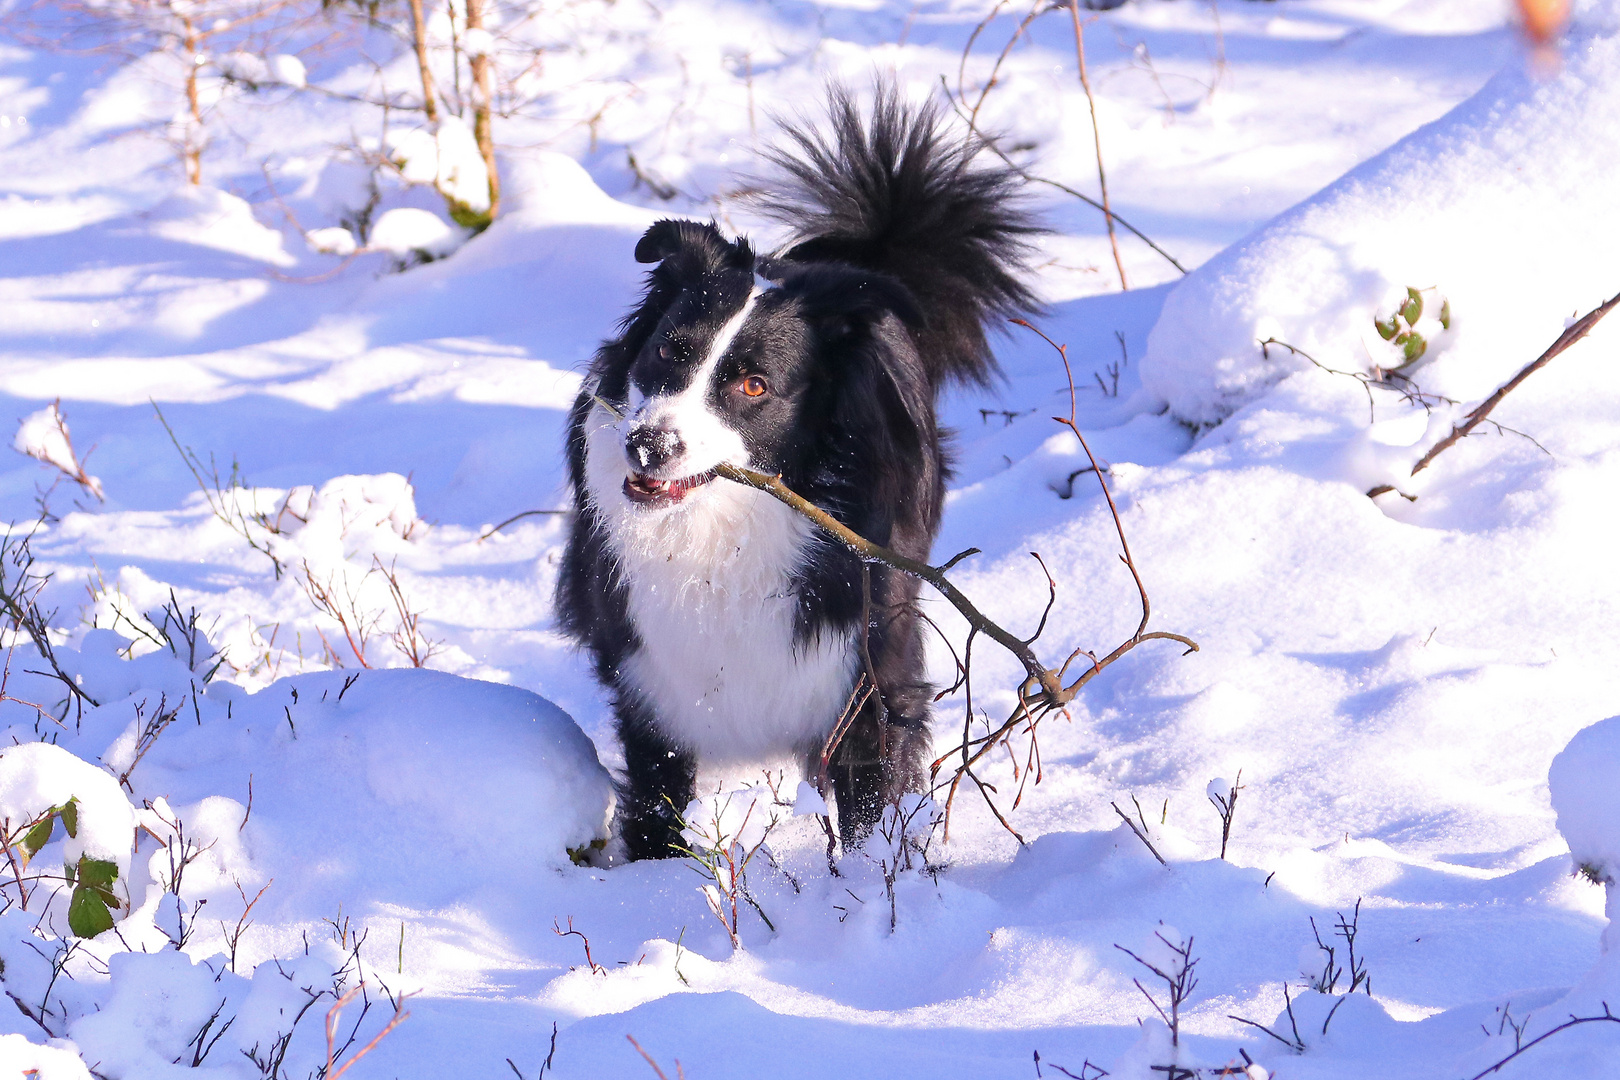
1587, 801
1394, 678
44, 436
406, 229
34, 777
1318, 275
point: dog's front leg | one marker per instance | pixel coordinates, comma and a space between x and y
885, 751
659, 781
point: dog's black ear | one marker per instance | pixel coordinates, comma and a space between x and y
706, 247
660, 241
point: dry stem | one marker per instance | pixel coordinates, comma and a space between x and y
399, 1017
1096, 135
1570, 336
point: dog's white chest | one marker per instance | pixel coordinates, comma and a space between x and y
710, 597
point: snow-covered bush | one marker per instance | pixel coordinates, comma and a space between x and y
125, 825
723, 833
1585, 784
185, 59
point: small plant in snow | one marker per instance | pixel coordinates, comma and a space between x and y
41, 786
901, 841
1326, 981
1171, 961
1400, 329
1223, 796
723, 834
20, 590
44, 437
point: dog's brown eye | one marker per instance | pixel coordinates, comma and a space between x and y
665, 351
754, 386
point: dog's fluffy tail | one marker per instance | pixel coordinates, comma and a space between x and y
899, 195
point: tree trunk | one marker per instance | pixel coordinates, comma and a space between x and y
191, 152
483, 78
430, 97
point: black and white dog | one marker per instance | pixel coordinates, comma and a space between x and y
726, 626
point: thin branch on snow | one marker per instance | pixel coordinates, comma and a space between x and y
1577, 330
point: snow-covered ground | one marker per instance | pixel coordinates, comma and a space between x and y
1393, 677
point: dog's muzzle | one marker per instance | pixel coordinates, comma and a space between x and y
651, 448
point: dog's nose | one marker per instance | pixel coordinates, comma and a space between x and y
650, 448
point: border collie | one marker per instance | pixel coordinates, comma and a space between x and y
727, 627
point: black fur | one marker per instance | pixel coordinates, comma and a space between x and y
904, 247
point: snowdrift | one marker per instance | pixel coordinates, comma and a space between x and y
1503, 207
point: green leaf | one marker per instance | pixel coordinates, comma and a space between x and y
70, 816
1386, 330
1415, 345
97, 873
1445, 315
40, 834
1412, 309
90, 910
89, 913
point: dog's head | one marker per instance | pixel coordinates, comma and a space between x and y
733, 357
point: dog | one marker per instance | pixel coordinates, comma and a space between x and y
727, 627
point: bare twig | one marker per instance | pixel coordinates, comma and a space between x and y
1573, 1021
679, 1072
1295, 1044
1096, 135
1140, 834
1226, 805
1577, 330
1179, 981
493, 529
399, 1017
994, 146
596, 969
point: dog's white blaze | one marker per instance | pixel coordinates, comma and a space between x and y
709, 582
708, 439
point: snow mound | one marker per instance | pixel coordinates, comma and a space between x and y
407, 229
1502, 206
34, 777
1585, 785
446, 157
411, 779
21, 1059
213, 218
332, 240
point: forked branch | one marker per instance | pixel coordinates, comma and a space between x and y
1043, 690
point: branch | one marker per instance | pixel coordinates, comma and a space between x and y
1570, 336
1573, 1021
1142, 836
870, 552
995, 148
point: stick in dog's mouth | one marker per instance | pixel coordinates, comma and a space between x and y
650, 492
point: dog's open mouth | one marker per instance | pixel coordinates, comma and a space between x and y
649, 492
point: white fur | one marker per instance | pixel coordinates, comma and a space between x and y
709, 587
708, 439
